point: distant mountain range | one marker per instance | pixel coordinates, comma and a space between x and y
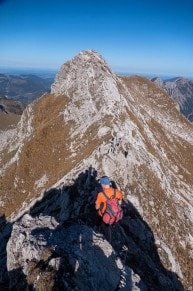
24, 88
181, 90
43, 73
28, 87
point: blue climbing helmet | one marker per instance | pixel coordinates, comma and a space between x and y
104, 180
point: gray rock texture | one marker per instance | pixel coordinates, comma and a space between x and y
97, 123
64, 259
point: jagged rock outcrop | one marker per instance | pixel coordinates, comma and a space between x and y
69, 250
126, 128
64, 259
181, 90
92, 89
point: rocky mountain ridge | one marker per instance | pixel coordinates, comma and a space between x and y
181, 90
94, 123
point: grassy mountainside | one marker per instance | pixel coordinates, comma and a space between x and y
99, 117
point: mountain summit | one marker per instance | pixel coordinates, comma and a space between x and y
91, 87
97, 123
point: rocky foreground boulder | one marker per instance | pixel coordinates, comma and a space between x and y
49, 258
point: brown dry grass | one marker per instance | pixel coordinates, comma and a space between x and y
178, 150
47, 152
168, 225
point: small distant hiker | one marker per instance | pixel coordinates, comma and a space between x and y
108, 202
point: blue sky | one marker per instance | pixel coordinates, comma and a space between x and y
136, 36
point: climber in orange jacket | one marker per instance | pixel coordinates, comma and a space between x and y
100, 203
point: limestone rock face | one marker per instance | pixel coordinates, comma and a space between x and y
63, 259
86, 77
91, 87
97, 123
61, 250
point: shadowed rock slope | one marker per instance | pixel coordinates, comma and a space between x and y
126, 128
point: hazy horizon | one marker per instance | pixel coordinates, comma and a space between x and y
51, 72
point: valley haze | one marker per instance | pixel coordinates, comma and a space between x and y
46, 73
